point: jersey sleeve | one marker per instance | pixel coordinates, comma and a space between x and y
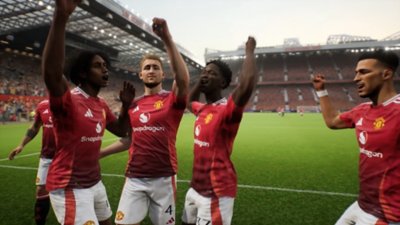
60, 105
349, 117
233, 113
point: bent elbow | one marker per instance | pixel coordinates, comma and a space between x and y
331, 125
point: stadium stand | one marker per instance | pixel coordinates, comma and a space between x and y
96, 26
285, 72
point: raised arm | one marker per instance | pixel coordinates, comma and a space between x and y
247, 79
30, 135
118, 146
179, 69
121, 126
194, 94
54, 52
330, 114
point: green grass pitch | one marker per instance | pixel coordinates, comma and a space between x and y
291, 170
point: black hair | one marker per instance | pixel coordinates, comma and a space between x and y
225, 70
388, 58
82, 63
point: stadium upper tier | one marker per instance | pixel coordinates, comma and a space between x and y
95, 25
284, 78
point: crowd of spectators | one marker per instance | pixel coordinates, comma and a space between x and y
22, 87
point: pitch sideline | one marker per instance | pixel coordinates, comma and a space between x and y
239, 185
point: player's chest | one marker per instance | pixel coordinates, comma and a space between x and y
208, 123
378, 130
90, 118
150, 112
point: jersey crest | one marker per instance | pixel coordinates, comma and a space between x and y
158, 104
379, 123
208, 118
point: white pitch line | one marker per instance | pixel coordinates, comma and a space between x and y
240, 185
21, 156
37, 153
297, 190
18, 167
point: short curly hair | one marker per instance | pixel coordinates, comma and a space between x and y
225, 70
82, 64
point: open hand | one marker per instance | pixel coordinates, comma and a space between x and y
127, 94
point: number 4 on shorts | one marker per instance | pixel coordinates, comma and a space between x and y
169, 210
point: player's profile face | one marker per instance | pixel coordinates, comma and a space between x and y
98, 72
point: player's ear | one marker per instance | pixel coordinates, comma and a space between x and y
387, 74
141, 75
223, 83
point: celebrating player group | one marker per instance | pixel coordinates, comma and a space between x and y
74, 119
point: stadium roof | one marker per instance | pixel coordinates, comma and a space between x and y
95, 25
351, 47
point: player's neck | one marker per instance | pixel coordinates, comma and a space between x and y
90, 90
213, 97
152, 91
386, 93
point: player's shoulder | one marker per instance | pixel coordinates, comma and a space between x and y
363, 106
77, 91
395, 101
164, 92
43, 103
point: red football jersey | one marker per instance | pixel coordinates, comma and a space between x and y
79, 122
378, 135
48, 141
215, 129
155, 120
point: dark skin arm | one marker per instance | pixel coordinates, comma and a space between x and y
194, 94
54, 50
30, 135
121, 126
247, 79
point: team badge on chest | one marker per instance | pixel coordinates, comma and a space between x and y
158, 104
208, 118
379, 123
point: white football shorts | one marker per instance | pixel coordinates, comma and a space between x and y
354, 215
202, 210
141, 195
43, 168
81, 206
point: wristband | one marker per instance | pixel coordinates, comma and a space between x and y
322, 93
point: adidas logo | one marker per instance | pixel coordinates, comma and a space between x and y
89, 114
46, 111
359, 122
